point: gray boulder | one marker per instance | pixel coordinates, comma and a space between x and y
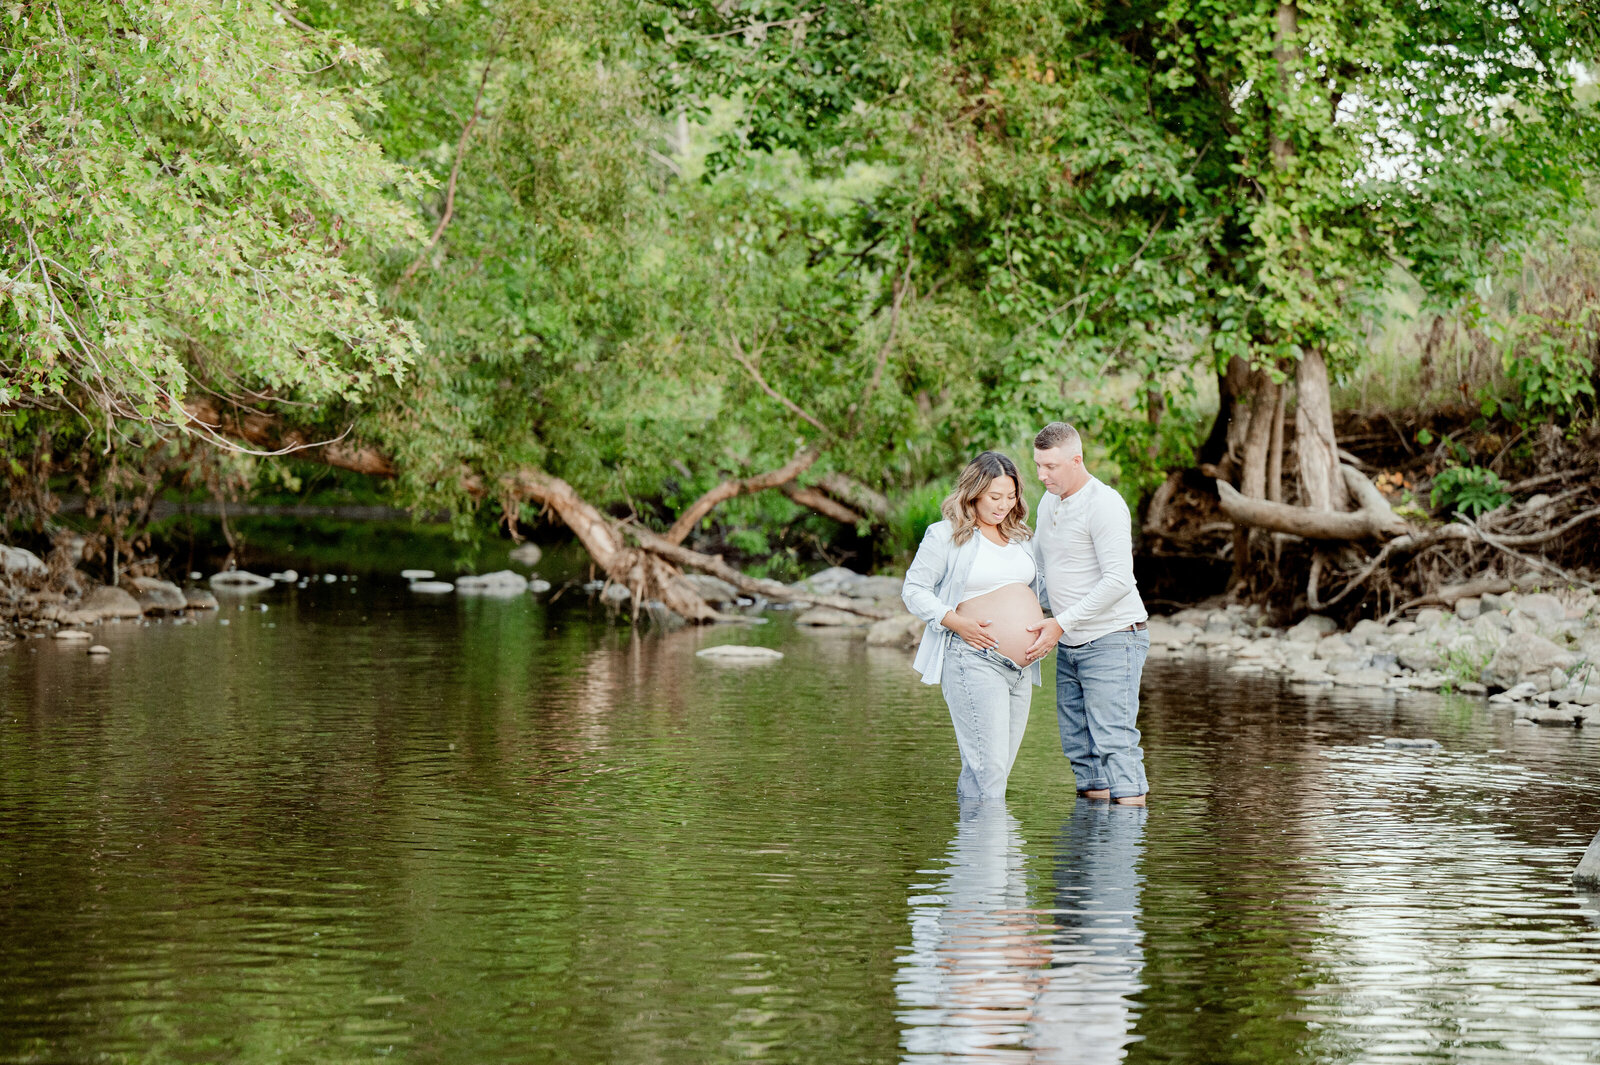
527, 553
822, 617
155, 595
904, 631
1366, 631
199, 599
879, 589
1429, 618
1469, 608
1524, 656
1311, 629
711, 589
504, 584
1418, 655
1542, 607
23, 566
107, 601
1494, 603
835, 580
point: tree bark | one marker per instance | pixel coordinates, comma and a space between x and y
1372, 522
1258, 436
1232, 384
1275, 449
1322, 485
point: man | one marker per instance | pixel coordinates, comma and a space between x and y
1084, 537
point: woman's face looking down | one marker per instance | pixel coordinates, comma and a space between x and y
996, 500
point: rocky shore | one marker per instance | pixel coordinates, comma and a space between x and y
40, 597
1535, 651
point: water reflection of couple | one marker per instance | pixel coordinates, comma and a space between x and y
981, 576
990, 979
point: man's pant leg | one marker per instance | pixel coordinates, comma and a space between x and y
1072, 720
1108, 672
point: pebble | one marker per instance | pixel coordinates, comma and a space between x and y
71, 634
417, 574
99, 649
1411, 743
432, 587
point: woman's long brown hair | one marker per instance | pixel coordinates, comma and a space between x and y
960, 506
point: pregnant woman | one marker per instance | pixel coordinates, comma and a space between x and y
976, 583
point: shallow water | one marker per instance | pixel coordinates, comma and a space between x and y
363, 826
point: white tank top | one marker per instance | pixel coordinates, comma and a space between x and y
996, 566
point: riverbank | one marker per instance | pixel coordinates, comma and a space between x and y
1534, 649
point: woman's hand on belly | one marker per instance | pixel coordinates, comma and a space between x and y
1007, 612
970, 629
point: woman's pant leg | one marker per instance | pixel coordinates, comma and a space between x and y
979, 696
1020, 702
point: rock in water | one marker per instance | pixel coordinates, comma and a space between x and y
241, 581
417, 574
1411, 743
156, 596
711, 589
527, 553
71, 634
501, 583
199, 599
903, 631
538, 586
99, 649
108, 601
827, 617
1588, 871
432, 587
736, 652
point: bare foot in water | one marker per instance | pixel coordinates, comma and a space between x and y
1096, 793
1131, 800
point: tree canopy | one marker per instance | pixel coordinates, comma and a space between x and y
646, 246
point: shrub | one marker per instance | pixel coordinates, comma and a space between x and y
1469, 490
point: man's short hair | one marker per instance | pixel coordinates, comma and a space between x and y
1061, 435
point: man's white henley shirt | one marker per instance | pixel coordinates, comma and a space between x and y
1085, 547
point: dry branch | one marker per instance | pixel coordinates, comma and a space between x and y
729, 489
828, 508
264, 431
856, 495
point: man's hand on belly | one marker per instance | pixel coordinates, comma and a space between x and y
1048, 632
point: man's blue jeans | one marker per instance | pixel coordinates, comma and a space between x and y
1097, 705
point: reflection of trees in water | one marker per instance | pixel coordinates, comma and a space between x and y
989, 979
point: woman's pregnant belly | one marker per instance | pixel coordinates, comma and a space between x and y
1010, 610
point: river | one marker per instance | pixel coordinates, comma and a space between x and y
366, 825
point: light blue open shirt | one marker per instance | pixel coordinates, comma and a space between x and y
934, 586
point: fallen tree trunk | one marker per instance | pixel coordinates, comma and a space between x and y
828, 508
773, 590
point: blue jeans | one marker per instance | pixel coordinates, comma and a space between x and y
988, 697
1097, 703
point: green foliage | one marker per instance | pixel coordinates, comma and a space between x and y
177, 194
1549, 366
1469, 490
